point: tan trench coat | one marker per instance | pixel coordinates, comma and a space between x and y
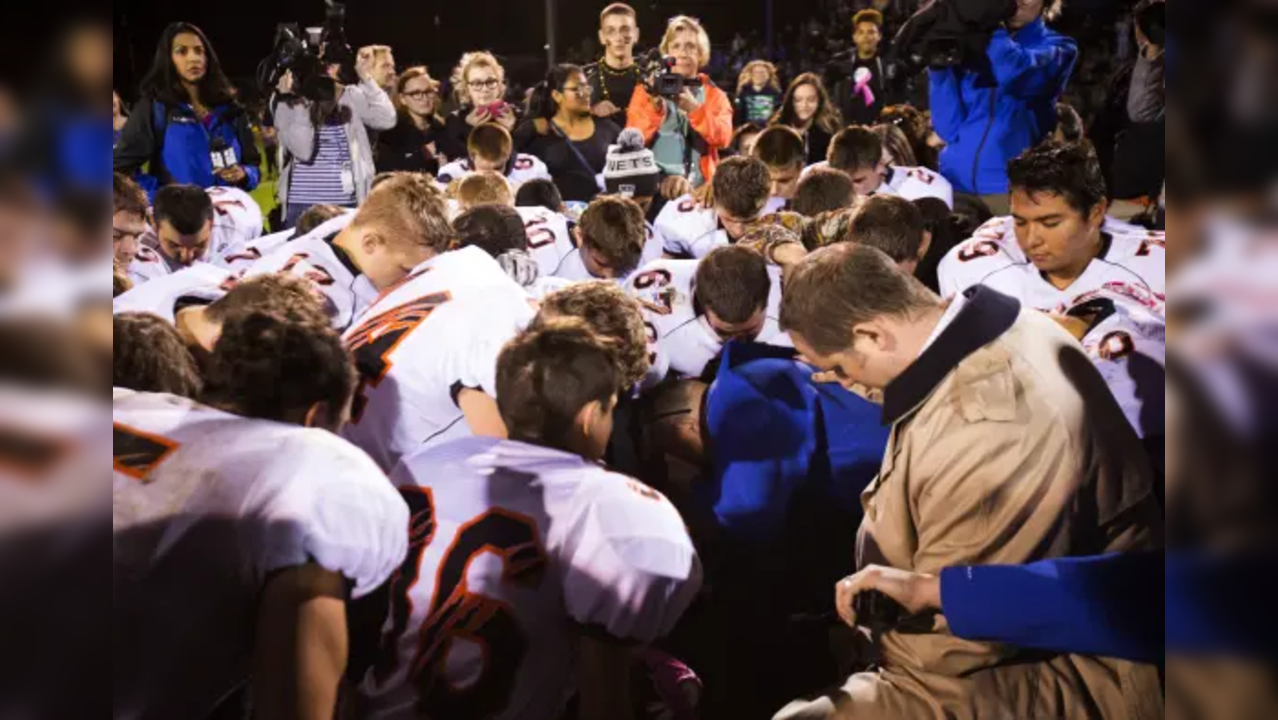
1007, 448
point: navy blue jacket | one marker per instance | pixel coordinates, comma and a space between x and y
176, 144
998, 108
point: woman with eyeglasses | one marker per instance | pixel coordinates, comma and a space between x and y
565, 135
480, 85
413, 146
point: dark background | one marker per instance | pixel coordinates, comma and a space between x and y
421, 31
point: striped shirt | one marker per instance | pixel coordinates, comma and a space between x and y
319, 182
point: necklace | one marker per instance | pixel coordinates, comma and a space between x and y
606, 69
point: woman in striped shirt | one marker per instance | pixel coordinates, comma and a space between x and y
328, 158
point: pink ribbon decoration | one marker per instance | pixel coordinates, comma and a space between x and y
862, 79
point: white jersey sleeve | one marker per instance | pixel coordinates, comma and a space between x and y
455, 170
991, 250
917, 183
237, 219
550, 238
526, 168
689, 230
201, 283
148, 264
242, 256
347, 292
421, 344
633, 571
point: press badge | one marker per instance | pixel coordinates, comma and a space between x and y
224, 158
348, 179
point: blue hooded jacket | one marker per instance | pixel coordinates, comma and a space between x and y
177, 145
990, 113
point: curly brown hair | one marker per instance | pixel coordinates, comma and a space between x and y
150, 356
612, 315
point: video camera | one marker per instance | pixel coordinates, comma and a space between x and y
662, 80
307, 54
1151, 17
948, 33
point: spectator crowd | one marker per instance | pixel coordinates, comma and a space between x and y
821, 385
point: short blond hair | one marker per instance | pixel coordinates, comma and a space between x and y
470, 61
683, 23
482, 188
409, 209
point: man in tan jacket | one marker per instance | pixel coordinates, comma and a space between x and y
1006, 448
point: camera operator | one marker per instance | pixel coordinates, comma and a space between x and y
990, 109
615, 76
328, 155
685, 131
481, 85
188, 126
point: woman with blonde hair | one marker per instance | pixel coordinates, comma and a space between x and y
413, 146
807, 109
758, 93
685, 132
480, 84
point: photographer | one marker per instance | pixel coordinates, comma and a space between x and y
188, 126
990, 109
329, 159
687, 131
615, 76
481, 85
565, 135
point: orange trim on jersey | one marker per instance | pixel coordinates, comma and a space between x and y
407, 279
402, 320
141, 460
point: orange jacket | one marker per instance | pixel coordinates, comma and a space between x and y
712, 121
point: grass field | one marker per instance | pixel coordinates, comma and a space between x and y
265, 194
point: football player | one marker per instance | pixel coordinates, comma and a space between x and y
401, 224
782, 150
492, 150
741, 189
320, 218
242, 527
541, 193
237, 219
499, 231
824, 190
150, 356
1058, 244
183, 234
893, 225
427, 352
129, 212
696, 307
858, 151
615, 317
613, 242
550, 234
532, 570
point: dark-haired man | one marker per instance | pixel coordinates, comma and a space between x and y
242, 528
183, 233
782, 150
532, 548
742, 188
968, 385
1058, 244
614, 241
858, 151
824, 190
696, 307
894, 226
542, 194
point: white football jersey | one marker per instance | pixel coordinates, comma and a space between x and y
515, 547
918, 183
994, 258
572, 267
422, 343
208, 505
347, 292
1129, 347
150, 263
51, 446
241, 256
666, 290
689, 230
237, 219
200, 284
525, 168
550, 238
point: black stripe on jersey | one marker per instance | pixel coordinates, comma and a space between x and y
137, 454
28, 457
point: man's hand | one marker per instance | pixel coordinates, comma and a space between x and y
605, 109
675, 187
285, 86
687, 102
916, 593
364, 64
233, 175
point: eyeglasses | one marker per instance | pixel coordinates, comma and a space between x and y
581, 90
420, 94
489, 84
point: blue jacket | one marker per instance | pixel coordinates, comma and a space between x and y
176, 144
992, 112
